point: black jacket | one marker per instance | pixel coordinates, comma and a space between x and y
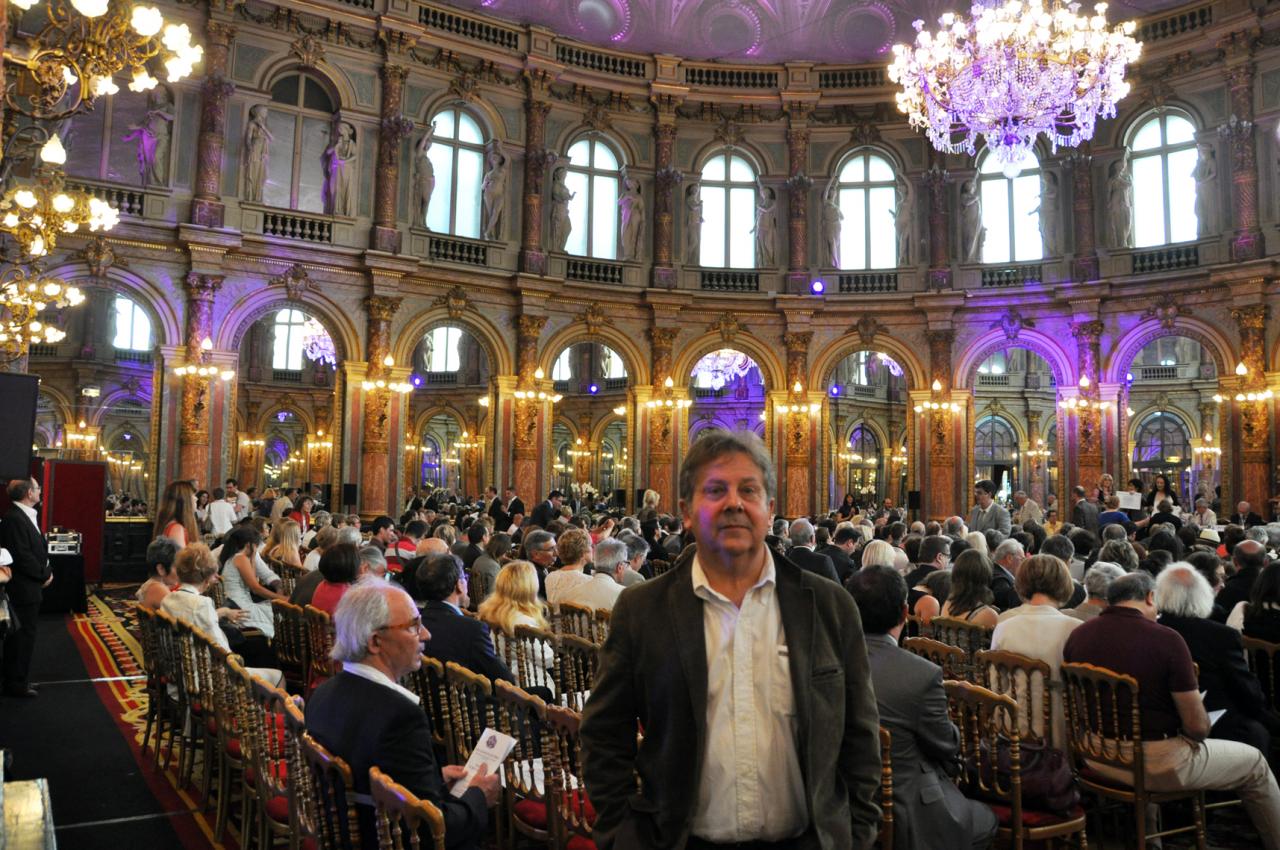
1224, 672
1248, 521
807, 559
1002, 587
501, 519
462, 640
370, 725
544, 513
30, 557
1237, 589
839, 559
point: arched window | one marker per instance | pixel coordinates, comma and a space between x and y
1162, 441
301, 123
1009, 211
133, 328
561, 371
593, 179
442, 349
994, 452
728, 195
867, 203
863, 442
1163, 160
996, 364
289, 332
457, 156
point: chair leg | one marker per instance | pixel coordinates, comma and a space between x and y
1140, 823
1198, 807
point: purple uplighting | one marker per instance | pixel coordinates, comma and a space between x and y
835, 389
593, 389
416, 380
818, 287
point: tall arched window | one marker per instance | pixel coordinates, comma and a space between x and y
592, 177
290, 328
728, 195
866, 201
1163, 160
612, 367
1161, 442
442, 351
457, 156
1009, 211
133, 328
994, 452
300, 120
562, 371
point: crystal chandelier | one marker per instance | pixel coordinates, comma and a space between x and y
34, 214
82, 47
1012, 71
25, 295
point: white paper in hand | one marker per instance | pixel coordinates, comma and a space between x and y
490, 752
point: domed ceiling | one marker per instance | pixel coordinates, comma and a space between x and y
766, 31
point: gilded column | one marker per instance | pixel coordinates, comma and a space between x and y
1254, 439
666, 178
533, 259
798, 185
1037, 464
1247, 243
662, 418
395, 127
936, 180
528, 415
799, 422
194, 456
206, 205
1089, 465
940, 436
375, 461
1084, 261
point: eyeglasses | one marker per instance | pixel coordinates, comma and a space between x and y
411, 626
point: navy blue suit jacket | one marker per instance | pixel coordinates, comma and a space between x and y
462, 640
370, 725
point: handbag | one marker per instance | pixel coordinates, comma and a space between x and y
8, 620
1047, 782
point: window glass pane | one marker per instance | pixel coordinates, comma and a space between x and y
990, 165
279, 159
1178, 130
711, 243
742, 242
560, 372
854, 171
452, 340
317, 98
286, 90
469, 130
853, 233
1147, 137
1182, 195
1026, 221
441, 157
140, 337
580, 153
1148, 201
280, 345
124, 313
740, 170
884, 239
995, 218
878, 169
604, 217
577, 184
316, 133
446, 123
714, 169
605, 158
470, 176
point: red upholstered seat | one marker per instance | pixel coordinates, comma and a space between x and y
580, 842
309, 843
532, 812
278, 809
1033, 819
233, 748
280, 769
581, 805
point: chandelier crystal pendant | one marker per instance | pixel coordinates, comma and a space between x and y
25, 296
1011, 72
36, 213
85, 44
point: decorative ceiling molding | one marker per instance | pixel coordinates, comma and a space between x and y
728, 325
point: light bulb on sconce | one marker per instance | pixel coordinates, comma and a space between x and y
619, 411
538, 374
797, 387
388, 361
1242, 369
1084, 381
936, 386
668, 383
206, 344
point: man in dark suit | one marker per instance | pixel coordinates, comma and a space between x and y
1185, 599
477, 539
366, 718
548, 510
807, 691
20, 534
840, 551
514, 507
494, 508
935, 554
1084, 514
455, 636
1244, 516
1249, 557
802, 552
930, 811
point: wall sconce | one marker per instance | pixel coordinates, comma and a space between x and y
1084, 404
1242, 369
203, 368
401, 387
619, 411
933, 405
811, 409
668, 398
539, 396
483, 401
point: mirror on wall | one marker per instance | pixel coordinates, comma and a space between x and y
867, 402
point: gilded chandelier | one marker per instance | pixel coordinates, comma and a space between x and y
25, 296
35, 213
85, 44
1012, 71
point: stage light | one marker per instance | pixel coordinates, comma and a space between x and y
818, 287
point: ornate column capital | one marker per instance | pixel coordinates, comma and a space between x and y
1251, 318
393, 74
202, 287
1087, 332
382, 308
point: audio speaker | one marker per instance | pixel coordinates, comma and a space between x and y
17, 423
350, 495
913, 500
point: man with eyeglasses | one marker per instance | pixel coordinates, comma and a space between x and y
454, 637
540, 550
364, 715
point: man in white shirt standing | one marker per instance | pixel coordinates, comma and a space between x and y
760, 724
244, 505
222, 511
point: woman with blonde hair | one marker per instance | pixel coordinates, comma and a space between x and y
649, 506
284, 543
514, 602
878, 553
176, 516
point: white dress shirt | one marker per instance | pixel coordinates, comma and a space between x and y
222, 515
373, 674
186, 603
598, 591
751, 786
31, 515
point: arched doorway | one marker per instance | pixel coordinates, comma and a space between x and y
283, 452
592, 380
444, 445
1162, 446
867, 407
1015, 423
728, 392
450, 369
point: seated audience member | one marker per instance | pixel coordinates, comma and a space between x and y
540, 550
340, 567
485, 568
301, 514
1007, 560
971, 596
1037, 629
514, 602
319, 520
453, 635
1244, 516
222, 512
978, 541
373, 563
1249, 558
637, 556
935, 556
305, 588
284, 544
574, 548
161, 578
382, 533
1177, 753
1260, 616
477, 540
1209, 565
1121, 553
878, 553
324, 538
243, 585
930, 811
405, 548
1203, 515
1155, 562
802, 551
1112, 515
604, 586
1163, 516
1096, 581
1185, 600
366, 718
1084, 544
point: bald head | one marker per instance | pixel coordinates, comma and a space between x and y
432, 546
1249, 554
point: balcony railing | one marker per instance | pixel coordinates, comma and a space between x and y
853, 78
1176, 24
438, 378
719, 77
997, 278
593, 271
869, 282
1166, 259
287, 376
615, 383
1158, 373
293, 225
126, 355
127, 201
730, 281
453, 250
468, 28
600, 62
1001, 380
42, 349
